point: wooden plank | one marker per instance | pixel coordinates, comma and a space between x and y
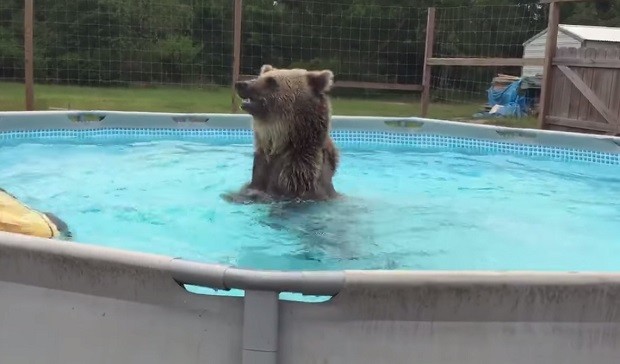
613, 92
588, 77
589, 94
579, 124
572, 94
557, 93
360, 84
564, 1
428, 53
565, 98
236, 67
577, 98
550, 48
613, 77
29, 53
485, 62
378, 85
608, 80
587, 63
584, 104
596, 85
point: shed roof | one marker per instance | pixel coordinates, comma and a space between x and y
585, 32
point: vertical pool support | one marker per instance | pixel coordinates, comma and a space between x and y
260, 331
260, 327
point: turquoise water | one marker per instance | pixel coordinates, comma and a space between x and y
404, 208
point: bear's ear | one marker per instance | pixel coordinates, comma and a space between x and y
266, 68
321, 81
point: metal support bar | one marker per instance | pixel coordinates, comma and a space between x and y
260, 327
225, 277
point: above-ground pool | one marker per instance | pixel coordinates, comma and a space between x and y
422, 259
410, 201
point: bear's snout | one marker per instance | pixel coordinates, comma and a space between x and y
243, 89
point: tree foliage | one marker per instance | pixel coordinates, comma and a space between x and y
116, 42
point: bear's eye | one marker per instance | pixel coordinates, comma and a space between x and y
271, 82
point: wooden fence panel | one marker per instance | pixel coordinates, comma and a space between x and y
585, 92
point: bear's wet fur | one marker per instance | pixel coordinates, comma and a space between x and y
294, 155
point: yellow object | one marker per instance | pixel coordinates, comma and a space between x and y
16, 217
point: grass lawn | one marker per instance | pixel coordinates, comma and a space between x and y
166, 99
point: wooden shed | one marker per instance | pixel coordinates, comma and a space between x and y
577, 36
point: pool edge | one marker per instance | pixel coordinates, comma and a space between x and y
102, 119
227, 277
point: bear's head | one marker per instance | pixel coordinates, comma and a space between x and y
278, 94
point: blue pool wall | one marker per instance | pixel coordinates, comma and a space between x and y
66, 302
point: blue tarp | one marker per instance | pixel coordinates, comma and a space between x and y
513, 104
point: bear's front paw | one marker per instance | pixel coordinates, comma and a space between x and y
247, 196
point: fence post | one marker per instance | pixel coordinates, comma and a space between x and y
29, 53
236, 50
428, 53
550, 48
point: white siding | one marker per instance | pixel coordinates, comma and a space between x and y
536, 49
597, 44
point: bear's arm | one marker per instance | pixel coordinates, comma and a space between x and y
260, 171
254, 190
331, 154
247, 195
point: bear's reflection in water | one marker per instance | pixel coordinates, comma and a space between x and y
327, 235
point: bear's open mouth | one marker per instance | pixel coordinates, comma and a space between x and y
250, 101
246, 100
247, 103
253, 106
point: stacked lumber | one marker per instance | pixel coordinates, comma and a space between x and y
530, 88
502, 81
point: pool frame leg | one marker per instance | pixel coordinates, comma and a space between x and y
260, 327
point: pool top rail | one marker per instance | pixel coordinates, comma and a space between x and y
328, 283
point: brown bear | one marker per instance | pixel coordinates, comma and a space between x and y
294, 156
